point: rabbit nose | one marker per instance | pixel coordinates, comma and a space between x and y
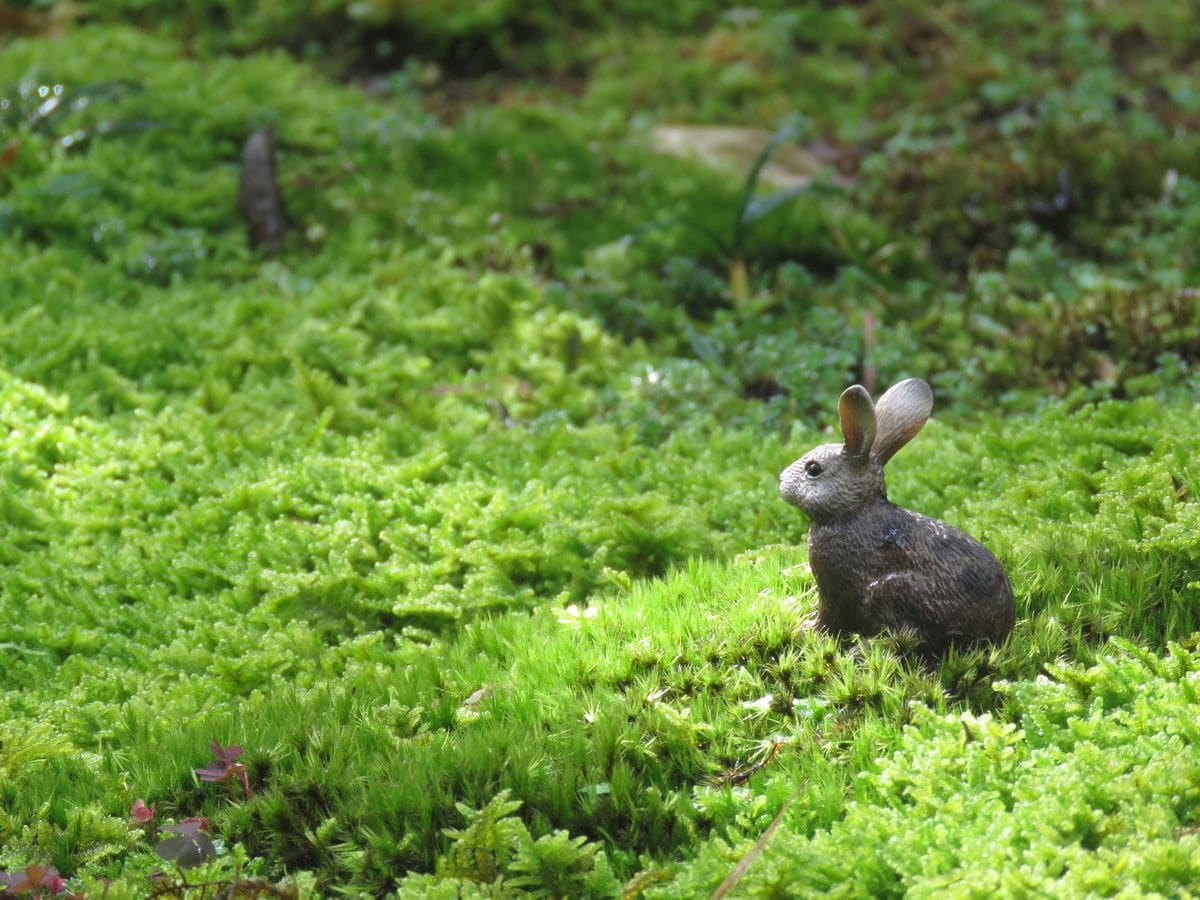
787, 482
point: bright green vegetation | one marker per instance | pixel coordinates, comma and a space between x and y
1091, 791
615, 724
459, 514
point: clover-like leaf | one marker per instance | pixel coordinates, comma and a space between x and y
227, 755
190, 847
190, 825
226, 766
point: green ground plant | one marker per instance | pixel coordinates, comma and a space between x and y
440, 554
1089, 790
730, 244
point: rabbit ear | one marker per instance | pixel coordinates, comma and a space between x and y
901, 413
857, 413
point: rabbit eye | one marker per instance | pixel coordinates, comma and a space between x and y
813, 468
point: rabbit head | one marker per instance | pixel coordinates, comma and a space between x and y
836, 479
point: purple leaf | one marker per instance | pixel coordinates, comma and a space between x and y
187, 850
214, 771
225, 766
227, 755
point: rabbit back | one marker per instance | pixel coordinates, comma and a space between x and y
888, 568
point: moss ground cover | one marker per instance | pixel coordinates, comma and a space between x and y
666, 688
458, 514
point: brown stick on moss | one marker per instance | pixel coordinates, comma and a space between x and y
259, 199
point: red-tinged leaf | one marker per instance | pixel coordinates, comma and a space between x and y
141, 812
31, 879
226, 766
54, 882
244, 775
7, 157
200, 821
37, 875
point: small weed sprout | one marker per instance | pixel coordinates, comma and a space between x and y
749, 211
226, 767
144, 816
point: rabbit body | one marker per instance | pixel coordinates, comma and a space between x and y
885, 567
879, 566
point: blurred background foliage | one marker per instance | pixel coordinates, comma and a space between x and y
1015, 183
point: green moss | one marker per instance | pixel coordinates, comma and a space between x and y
269, 594
1084, 793
459, 514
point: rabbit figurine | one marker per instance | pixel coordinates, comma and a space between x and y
879, 566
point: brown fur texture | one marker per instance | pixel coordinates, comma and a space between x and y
880, 567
